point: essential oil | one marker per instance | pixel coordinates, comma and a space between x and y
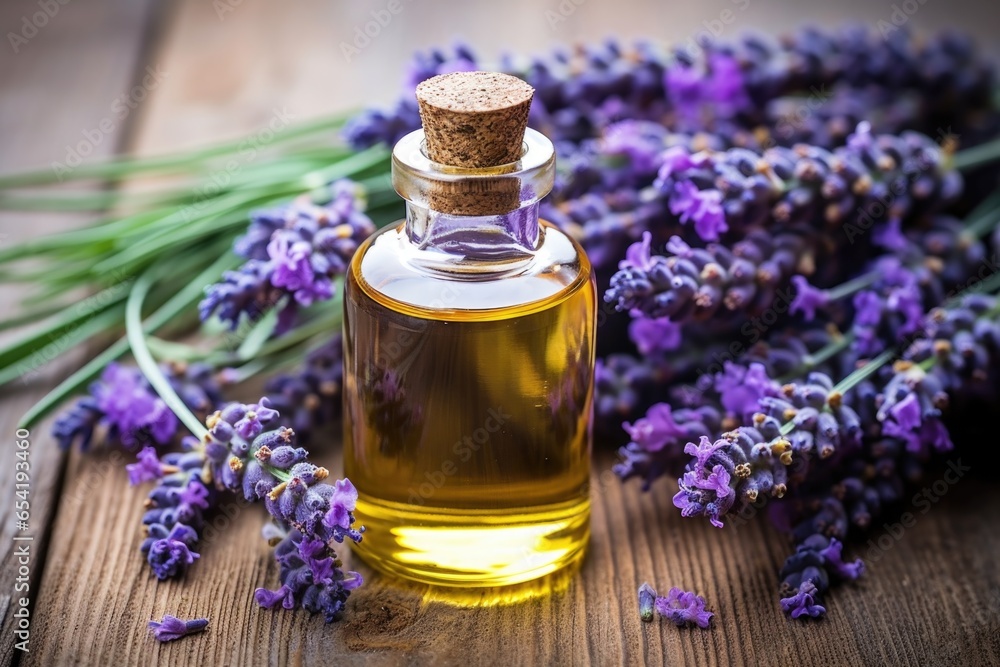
469, 354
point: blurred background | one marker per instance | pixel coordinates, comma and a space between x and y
224, 75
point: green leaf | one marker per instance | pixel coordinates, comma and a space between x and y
185, 298
118, 168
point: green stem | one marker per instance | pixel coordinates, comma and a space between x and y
977, 155
19, 362
983, 219
136, 336
96, 201
811, 361
106, 231
32, 316
167, 350
987, 286
78, 318
851, 286
163, 316
852, 381
267, 364
302, 332
258, 334
116, 168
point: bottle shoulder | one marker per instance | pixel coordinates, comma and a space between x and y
390, 269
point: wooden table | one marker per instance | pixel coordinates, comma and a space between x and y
934, 598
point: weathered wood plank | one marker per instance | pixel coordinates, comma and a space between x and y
60, 77
933, 598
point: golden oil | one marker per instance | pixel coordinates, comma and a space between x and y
468, 376
468, 429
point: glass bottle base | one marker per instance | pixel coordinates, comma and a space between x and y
469, 548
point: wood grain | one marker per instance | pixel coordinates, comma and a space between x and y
933, 598
80, 60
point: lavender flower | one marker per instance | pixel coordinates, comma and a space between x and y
655, 447
727, 474
294, 253
809, 186
147, 468
694, 284
309, 577
744, 84
803, 602
123, 404
806, 574
807, 298
171, 628
245, 451
683, 608
169, 554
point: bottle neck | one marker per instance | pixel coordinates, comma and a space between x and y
452, 224
509, 236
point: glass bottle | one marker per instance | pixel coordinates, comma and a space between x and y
469, 360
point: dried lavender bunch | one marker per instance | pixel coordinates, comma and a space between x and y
698, 284
125, 407
872, 178
816, 416
717, 402
724, 88
727, 474
902, 428
238, 454
293, 253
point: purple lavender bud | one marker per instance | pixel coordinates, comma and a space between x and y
284, 457
807, 298
307, 246
171, 628
308, 473
169, 557
683, 607
78, 424
270, 599
647, 597
147, 469
255, 480
223, 431
804, 602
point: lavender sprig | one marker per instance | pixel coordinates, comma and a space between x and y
123, 404
730, 89
694, 284
244, 451
172, 628
294, 254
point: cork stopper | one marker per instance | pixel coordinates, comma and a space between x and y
474, 119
